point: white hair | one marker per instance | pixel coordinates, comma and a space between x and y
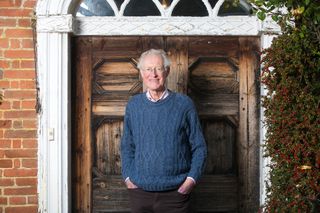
162, 53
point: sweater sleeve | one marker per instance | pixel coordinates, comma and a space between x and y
197, 144
127, 148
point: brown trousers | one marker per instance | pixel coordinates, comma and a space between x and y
159, 202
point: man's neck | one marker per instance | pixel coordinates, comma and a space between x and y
156, 94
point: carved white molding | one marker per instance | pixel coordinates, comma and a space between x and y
54, 123
167, 26
232, 25
55, 24
56, 7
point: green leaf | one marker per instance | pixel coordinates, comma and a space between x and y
259, 3
307, 2
301, 34
261, 15
301, 9
275, 18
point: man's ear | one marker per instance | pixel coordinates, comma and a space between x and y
167, 71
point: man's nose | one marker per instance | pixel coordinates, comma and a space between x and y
154, 72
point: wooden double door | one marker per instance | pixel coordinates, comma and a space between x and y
218, 73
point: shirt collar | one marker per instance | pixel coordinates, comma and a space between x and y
162, 97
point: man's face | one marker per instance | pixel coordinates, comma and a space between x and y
153, 72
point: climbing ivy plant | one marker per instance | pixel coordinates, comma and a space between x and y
291, 76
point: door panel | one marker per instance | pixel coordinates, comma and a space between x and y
107, 154
115, 79
213, 71
214, 87
108, 190
221, 146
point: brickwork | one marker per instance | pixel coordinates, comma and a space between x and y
18, 119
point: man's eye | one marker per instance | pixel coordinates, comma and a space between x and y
157, 69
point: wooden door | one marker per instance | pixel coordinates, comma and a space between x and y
218, 73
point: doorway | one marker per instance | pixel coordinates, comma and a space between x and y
218, 73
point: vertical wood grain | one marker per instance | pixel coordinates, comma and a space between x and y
81, 146
177, 48
154, 42
108, 147
248, 140
253, 124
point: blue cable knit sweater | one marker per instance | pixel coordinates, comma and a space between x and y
162, 143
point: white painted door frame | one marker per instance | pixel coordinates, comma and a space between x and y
55, 23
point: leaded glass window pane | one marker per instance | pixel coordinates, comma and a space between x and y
190, 8
231, 7
141, 8
95, 8
118, 3
165, 3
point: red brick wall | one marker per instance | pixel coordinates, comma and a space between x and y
18, 120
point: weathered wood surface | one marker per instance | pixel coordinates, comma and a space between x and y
216, 193
214, 75
107, 150
110, 194
218, 74
116, 75
214, 46
81, 141
104, 107
249, 131
217, 104
221, 140
250, 47
214, 86
177, 49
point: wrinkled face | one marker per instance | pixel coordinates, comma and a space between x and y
153, 72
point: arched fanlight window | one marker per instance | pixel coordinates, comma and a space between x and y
164, 8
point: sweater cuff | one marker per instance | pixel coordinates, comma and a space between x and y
191, 178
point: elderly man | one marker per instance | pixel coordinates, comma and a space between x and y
163, 149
